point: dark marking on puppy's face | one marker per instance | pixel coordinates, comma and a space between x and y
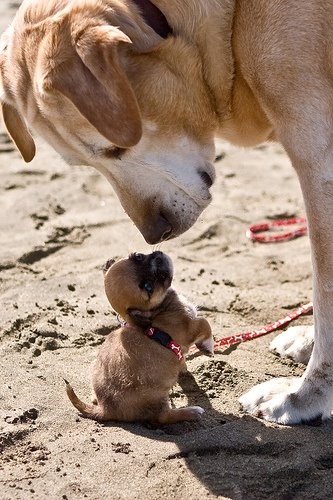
153, 271
139, 282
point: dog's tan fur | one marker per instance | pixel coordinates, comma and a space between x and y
133, 374
246, 70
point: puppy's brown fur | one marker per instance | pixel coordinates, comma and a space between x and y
133, 374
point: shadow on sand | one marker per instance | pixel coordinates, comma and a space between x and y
240, 457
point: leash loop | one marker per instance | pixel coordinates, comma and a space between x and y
256, 231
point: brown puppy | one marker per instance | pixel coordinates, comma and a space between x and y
133, 374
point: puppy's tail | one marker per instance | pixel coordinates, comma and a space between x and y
87, 410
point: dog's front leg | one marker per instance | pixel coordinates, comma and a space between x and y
309, 398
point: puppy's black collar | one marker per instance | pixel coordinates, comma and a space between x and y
165, 340
154, 17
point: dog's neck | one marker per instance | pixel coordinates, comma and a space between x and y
174, 317
145, 318
154, 17
169, 305
165, 340
208, 24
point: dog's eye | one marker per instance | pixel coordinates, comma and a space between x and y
114, 152
148, 287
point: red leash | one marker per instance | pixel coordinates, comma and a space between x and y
255, 233
243, 337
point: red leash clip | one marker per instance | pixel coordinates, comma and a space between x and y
255, 231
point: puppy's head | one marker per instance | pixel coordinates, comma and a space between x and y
138, 284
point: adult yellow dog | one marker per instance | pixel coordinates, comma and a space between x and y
138, 89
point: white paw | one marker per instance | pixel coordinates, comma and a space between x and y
287, 401
295, 343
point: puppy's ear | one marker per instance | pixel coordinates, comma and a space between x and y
14, 123
140, 318
107, 265
92, 78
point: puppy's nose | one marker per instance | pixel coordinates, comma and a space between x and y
159, 230
159, 258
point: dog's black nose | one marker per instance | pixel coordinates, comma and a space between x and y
206, 178
159, 230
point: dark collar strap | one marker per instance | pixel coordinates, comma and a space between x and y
165, 340
154, 17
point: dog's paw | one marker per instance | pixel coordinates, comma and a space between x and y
195, 412
287, 401
206, 346
295, 343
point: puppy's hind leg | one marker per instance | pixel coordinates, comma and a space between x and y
174, 415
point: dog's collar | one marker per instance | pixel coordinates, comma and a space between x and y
165, 340
154, 17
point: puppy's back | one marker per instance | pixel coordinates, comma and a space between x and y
130, 358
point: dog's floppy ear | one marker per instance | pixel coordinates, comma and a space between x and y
18, 132
93, 79
15, 124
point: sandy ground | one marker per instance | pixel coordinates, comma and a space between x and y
58, 225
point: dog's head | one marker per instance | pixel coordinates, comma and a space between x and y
104, 89
138, 284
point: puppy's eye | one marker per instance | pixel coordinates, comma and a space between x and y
137, 256
114, 152
148, 287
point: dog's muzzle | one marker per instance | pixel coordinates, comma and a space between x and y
160, 229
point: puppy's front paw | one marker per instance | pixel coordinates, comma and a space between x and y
295, 343
206, 346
